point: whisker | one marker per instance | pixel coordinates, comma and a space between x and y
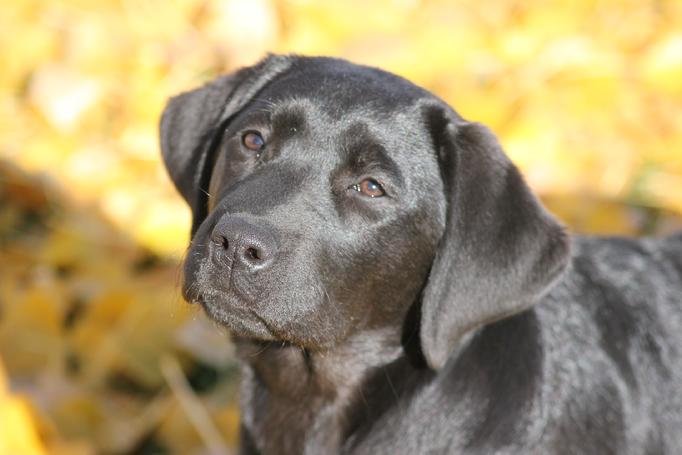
262, 350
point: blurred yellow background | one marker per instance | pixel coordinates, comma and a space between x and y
99, 354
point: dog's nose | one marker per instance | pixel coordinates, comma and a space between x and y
250, 246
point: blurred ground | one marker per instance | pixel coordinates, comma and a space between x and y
99, 353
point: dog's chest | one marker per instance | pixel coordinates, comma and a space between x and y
288, 411
294, 402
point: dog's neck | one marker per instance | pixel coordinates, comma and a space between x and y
329, 402
310, 393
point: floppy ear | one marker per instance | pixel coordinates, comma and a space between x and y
501, 249
192, 122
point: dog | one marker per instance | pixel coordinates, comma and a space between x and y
393, 286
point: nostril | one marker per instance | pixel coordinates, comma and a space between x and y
220, 240
253, 254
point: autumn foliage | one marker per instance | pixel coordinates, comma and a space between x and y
98, 354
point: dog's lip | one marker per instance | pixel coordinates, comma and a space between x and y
191, 297
194, 294
264, 331
198, 300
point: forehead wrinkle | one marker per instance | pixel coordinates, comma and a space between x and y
305, 114
290, 104
362, 150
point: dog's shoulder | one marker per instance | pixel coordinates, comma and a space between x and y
622, 296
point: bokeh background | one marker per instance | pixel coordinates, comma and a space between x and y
98, 354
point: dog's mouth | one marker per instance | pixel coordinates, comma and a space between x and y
241, 320
230, 302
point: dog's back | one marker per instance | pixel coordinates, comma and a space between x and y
614, 326
672, 249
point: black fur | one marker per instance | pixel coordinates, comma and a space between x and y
449, 316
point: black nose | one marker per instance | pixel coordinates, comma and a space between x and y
244, 244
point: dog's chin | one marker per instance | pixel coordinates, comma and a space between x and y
240, 321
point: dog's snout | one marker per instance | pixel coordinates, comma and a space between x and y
248, 245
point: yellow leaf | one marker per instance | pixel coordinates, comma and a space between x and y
663, 65
18, 435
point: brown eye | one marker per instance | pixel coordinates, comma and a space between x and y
253, 141
370, 188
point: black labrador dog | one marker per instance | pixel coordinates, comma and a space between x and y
394, 287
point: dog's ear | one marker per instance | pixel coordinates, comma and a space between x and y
192, 122
501, 250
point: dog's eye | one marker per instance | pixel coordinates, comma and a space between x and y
252, 140
370, 188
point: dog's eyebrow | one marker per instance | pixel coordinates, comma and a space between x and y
363, 152
288, 120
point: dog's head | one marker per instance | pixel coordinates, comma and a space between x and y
329, 198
